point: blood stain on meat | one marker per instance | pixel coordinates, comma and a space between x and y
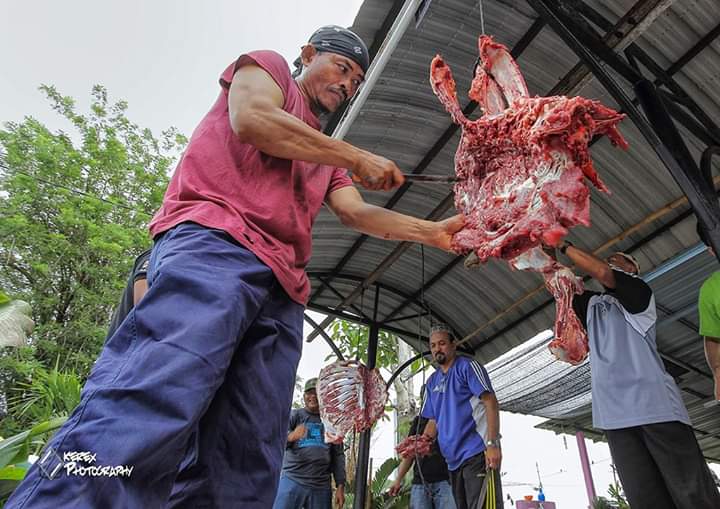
522, 173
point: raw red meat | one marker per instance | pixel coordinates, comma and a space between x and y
351, 397
414, 445
570, 343
521, 172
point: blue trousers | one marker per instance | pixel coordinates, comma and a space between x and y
433, 495
199, 375
293, 495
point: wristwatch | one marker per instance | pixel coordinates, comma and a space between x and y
495, 442
566, 244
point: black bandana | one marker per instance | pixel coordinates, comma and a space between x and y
336, 39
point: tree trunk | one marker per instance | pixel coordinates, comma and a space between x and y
405, 407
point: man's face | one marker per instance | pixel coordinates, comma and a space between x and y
311, 401
329, 79
441, 347
622, 263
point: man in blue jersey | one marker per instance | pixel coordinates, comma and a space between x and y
463, 414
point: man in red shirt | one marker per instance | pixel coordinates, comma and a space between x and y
201, 372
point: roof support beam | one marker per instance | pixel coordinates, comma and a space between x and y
341, 297
697, 48
325, 336
622, 34
363, 461
710, 132
365, 319
656, 126
407, 317
355, 319
437, 277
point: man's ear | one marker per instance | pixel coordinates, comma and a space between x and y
308, 54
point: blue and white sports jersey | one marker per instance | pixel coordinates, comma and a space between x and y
452, 399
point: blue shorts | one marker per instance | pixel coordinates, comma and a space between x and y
200, 375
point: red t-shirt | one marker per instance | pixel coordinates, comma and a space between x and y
266, 203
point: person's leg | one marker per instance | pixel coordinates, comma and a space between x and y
474, 477
675, 449
641, 479
443, 496
156, 376
319, 498
420, 498
243, 434
458, 488
290, 495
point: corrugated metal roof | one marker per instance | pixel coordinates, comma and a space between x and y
402, 120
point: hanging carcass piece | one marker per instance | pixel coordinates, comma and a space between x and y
351, 397
521, 172
414, 446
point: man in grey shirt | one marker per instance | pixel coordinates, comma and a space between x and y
309, 461
634, 399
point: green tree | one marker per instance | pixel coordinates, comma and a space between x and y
74, 208
616, 500
352, 340
377, 496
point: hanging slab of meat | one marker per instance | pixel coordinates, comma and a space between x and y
351, 397
521, 172
414, 446
570, 343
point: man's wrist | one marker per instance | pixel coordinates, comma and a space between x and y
354, 156
565, 245
494, 442
424, 231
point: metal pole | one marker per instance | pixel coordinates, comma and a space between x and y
706, 171
363, 462
585, 462
402, 22
404, 366
671, 138
325, 336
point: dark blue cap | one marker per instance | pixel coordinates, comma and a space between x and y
342, 41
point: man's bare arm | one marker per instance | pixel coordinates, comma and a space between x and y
431, 428
404, 468
492, 411
256, 116
712, 354
592, 265
493, 453
354, 212
140, 287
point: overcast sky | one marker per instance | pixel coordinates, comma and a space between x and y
164, 58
